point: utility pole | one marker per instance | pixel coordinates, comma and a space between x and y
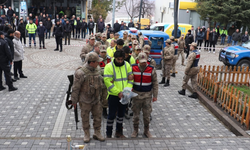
176, 6
140, 14
113, 15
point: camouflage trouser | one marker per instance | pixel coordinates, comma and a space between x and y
174, 63
193, 76
96, 110
104, 97
145, 105
181, 52
166, 72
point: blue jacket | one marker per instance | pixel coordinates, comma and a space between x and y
41, 30
178, 33
200, 35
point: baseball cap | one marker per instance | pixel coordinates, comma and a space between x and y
97, 43
172, 38
98, 34
139, 33
92, 56
103, 48
104, 35
133, 36
137, 47
182, 35
125, 32
193, 44
135, 42
146, 48
142, 57
1, 33
92, 37
129, 35
168, 41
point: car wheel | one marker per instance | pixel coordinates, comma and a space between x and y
244, 63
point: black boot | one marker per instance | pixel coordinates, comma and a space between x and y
194, 95
2, 88
104, 113
182, 92
167, 83
12, 88
173, 74
162, 80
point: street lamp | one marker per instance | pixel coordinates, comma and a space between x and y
176, 6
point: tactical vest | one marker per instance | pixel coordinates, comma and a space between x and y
31, 28
142, 80
93, 83
176, 46
196, 61
102, 63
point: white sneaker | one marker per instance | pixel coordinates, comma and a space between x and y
209, 52
199, 50
214, 52
26, 45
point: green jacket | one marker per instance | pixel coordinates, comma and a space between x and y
31, 28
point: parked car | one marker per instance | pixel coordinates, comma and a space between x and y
236, 55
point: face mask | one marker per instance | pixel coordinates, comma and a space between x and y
41, 24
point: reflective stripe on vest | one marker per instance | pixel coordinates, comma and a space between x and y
142, 80
102, 64
176, 46
32, 28
196, 61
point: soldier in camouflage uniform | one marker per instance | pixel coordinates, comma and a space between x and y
168, 61
86, 91
134, 44
129, 42
98, 36
146, 86
104, 40
146, 49
106, 60
181, 44
87, 48
141, 39
125, 37
191, 71
175, 46
136, 52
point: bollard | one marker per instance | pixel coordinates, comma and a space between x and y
69, 142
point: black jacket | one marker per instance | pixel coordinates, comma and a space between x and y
189, 39
48, 25
213, 37
84, 25
78, 24
91, 25
10, 12
21, 28
67, 28
44, 20
5, 54
11, 45
131, 24
1, 27
58, 31
244, 38
116, 27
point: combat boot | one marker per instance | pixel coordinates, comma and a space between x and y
98, 136
104, 113
162, 80
119, 134
182, 92
135, 132
86, 138
166, 84
173, 74
194, 95
146, 132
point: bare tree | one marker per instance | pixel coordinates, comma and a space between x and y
130, 6
147, 8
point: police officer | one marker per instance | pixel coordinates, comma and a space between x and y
191, 71
136, 51
146, 86
104, 40
168, 61
146, 49
125, 37
175, 46
88, 47
134, 44
129, 42
5, 59
58, 32
86, 91
103, 63
141, 39
116, 78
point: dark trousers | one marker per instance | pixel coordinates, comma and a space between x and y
23, 37
212, 43
18, 65
59, 42
90, 31
199, 43
67, 36
188, 49
206, 44
73, 30
78, 33
41, 40
48, 32
101, 30
6, 69
34, 39
83, 33
116, 109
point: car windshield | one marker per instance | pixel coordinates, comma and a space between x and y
246, 44
156, 28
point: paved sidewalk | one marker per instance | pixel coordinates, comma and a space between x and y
35, 117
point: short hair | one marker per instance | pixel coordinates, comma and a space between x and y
120, 42
111, 32
119, 53
126, 49
10, 31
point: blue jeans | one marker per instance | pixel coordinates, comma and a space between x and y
48, 31
116, 110
229, 39
223, 40
34, 38
234, 43
83, 33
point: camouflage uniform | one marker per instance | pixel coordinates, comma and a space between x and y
141, 39
147, 49
105, 42
86, 49
143, 102
181, 43
168, 60
86, 90
135, 44
175, 47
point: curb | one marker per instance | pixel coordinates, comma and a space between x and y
220, 114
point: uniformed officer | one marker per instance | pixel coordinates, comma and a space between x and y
134, 44
168, 61
58, 32
125, 37
175, 46
181, 44
86, 91
146, 86
103, 63
104, 40
129, 42
88, 47
146, 49
141, 39
137, 50
5, 59
191, 71
98, 36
